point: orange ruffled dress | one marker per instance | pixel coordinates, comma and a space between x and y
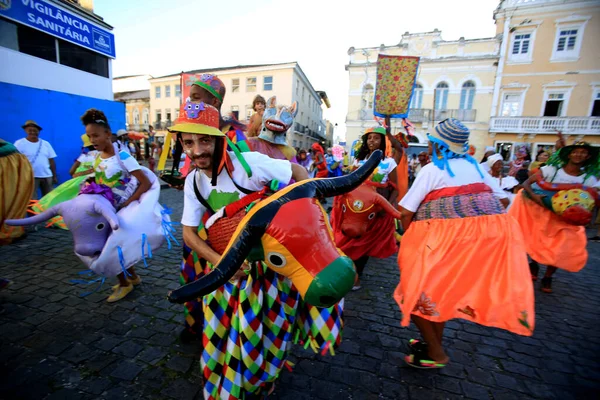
463, 257
548, 239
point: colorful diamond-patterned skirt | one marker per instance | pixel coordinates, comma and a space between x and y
455, 265
192, 269
250, 326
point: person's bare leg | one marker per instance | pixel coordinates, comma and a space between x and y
122, 279
132, 272
429, 331
439, 330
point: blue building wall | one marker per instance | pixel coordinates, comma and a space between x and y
59, 116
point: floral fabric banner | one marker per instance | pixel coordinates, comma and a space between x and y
396, 76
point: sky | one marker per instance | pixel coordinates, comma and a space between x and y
159, 37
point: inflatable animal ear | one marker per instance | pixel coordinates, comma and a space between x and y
294, 109
272, 102
291, 231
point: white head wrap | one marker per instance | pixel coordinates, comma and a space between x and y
493, 159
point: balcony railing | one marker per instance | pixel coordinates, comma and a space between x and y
424, 114
162, 125
137, 127
571, 125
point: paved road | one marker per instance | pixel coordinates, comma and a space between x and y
57, 345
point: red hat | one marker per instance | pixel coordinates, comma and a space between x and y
198, 118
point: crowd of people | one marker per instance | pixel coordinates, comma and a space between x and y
462, 230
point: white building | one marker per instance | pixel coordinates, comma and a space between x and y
286, 81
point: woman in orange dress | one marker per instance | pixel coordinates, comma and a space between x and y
550, 240
462, 256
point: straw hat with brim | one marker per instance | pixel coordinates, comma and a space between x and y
31, 123
86, 140
593, 151
198, 118
453, 134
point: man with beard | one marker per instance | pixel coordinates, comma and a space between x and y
221, 178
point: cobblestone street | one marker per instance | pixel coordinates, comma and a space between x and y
58, 345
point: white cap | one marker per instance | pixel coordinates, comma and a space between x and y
121, 132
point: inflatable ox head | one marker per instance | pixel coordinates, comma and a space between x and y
90, 218
290, 232
360, 208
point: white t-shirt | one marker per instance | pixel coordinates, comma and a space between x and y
380, 175
41, 166
432, 178
549, 172
264, 170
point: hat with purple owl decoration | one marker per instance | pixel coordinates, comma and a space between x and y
212, 84
198, 118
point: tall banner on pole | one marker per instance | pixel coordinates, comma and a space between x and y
396, 77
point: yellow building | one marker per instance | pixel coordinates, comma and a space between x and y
134, 92
548, 75
459, 72
286, 81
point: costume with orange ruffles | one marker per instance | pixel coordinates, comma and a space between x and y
462, 256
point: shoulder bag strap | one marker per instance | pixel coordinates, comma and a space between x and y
37, 153
201, 199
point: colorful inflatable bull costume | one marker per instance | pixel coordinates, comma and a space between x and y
107, 241
272, 138
289, 232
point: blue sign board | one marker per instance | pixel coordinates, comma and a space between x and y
59, 22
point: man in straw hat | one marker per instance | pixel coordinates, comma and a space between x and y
461, 255
41, 155
220, 179
550, 240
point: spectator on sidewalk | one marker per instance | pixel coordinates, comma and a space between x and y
41, 155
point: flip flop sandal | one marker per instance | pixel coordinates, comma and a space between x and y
419, 360
417, 345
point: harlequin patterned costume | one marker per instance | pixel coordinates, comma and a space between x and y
249, 324
462, 256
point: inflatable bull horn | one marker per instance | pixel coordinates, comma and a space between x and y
290, 233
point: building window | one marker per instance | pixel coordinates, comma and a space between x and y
82, 59
297, 86
136, 116
554, 106
441, 96
511, 104
521, 43
157, 92
251, 84
176, 113
145, 116
249, 111
235, 85
303, 94
595, 111
567, 43
417, 98
267, 83
521, 48
158, 115
167, 90
367, 97
39, 44
467, 94
235, 111
127, 118
168, 114
36, 43
178, 91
